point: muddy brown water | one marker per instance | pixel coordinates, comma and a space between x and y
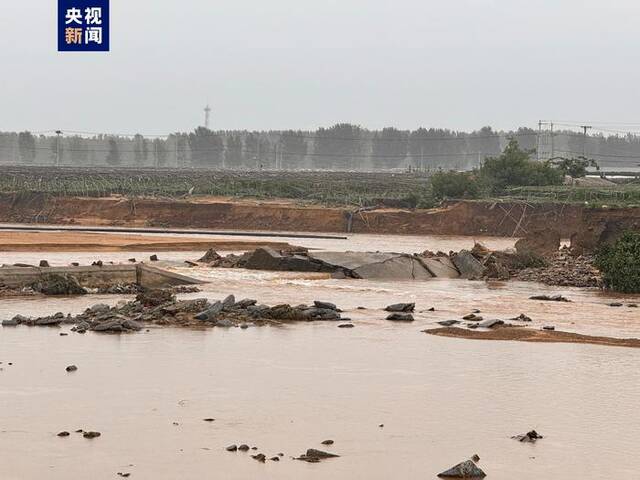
286, 389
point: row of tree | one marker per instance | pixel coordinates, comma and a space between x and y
341, 147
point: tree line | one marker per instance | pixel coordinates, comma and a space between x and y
342, 146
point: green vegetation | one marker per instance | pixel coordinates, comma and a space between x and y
620, 263
512, 168
574, 167
455, 185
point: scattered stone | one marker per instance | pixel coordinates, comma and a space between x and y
548, 327
475, 458
63, 434
448, 323
633, 305
401, 317
529, 437
615, 304
232, 448
91, 434
71, 368
381, 425
125, 475
63, 334
466, 469
153, 258
472, 317
346, 325
228, 302
490, 323
209, 419
259, 457
522, 318
132, 260
243, 447
313, 456
44, 264
550, 298
75, 264
401, 307
327, 305
327, 442
275, 459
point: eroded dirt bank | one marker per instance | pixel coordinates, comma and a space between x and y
456, 218
14, 241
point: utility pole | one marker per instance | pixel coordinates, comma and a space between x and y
58, 133
584, 140
538, 140
552, 143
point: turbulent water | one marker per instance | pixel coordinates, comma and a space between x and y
286, 389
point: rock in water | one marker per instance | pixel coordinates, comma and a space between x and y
312, 452
90, 434
71, 368
44, 264
326, 305
466, 469
550, 298
400, 317
210, 256
401, 307
232, 448
529, 437
468, 266
448, 323
57, 284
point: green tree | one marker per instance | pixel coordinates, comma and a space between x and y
160, 152
513, 167
338, 147
27, 147
113, 153
389, 148
620, 263
454, 185
78, 151
233, 154
57, 150
207, 148
574, 167
293, 149
140, 150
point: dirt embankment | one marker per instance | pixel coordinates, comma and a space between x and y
13, 241
456, 218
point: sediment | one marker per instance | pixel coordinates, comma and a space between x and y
530, 335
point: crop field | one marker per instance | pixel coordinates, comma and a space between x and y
344, 188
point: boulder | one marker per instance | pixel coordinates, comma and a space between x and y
550, 298
210, 256
448, 323
401, 307
210, 313
466, 469
229, 302
264, 259
491, 323
468, 266
400, 317
44, 264
325, 305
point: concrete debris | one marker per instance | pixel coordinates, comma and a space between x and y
58, 284
468, 266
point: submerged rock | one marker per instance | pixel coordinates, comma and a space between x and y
550, 298
400, 317
448, 323
491, 323
313, 456
466, 469
529, 437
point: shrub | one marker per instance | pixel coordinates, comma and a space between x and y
454, 185
514, 168
574, 167
620, 263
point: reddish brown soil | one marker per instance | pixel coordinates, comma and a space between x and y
530, 335
459, 218
98, 242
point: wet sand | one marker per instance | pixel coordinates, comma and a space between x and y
524, 334
285, 389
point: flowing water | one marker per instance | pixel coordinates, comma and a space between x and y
285, 389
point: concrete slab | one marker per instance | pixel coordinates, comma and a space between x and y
440, 267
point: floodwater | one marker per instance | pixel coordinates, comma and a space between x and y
286, 389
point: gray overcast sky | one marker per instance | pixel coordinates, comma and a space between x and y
295, 64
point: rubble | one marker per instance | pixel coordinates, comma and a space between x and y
58, 284
160, 307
